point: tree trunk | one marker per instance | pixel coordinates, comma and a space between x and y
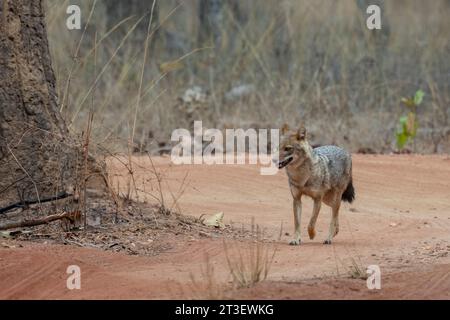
282, 39
211, 15
38, 160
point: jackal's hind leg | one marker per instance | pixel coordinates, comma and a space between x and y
334, 224
297, 208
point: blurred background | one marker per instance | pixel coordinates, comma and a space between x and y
138, 69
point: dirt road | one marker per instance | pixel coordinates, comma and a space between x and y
400, 221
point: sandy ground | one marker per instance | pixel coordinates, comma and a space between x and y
400, 221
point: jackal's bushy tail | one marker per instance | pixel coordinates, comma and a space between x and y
349, 193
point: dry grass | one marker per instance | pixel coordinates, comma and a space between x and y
247, 266
205, 285
327, 71
356, 271
251, 264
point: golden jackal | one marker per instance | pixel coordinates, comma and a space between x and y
323, 173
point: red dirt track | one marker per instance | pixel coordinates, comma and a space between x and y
399, 221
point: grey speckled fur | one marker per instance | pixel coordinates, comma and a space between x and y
336, 166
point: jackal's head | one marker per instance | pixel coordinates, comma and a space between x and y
294, 147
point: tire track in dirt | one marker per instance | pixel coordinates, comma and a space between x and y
35, 275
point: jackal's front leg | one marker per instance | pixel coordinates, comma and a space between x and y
315, 214
297, 208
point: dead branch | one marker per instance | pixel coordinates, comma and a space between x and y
36, 222
26, 203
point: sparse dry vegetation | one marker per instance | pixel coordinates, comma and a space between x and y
310, 61
205, 285
251, 264
247, 263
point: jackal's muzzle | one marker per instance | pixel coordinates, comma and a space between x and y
285, 162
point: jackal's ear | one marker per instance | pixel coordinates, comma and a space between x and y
284, 129
301, 133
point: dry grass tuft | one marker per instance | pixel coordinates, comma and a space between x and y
252, 264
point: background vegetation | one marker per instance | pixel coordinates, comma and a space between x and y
256, 64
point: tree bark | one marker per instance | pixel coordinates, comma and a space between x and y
282, 39
38, 159
211, 15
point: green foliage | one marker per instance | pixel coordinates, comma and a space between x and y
418, 97
408, 124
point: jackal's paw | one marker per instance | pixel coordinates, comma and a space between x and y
328, 241
311, 232
295, 242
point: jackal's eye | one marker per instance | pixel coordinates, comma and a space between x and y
288, 148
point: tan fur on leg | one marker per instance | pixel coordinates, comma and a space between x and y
334, 224
311, 232
315, 214
297, 208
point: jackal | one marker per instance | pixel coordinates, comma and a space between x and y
323, 173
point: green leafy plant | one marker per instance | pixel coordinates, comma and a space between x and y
408, 124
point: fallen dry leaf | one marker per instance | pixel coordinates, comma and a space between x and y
215, 220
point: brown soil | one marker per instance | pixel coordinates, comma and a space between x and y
400, 221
